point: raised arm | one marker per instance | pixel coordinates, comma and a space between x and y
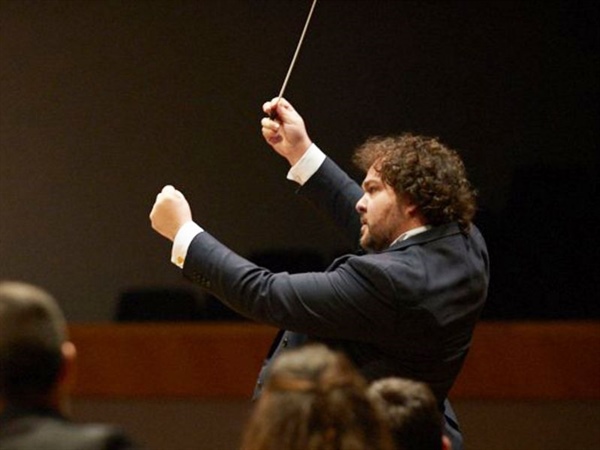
323, 182
287, 134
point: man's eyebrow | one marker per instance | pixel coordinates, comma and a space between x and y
369, 182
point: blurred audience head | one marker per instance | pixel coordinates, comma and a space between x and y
315, 399
411, 410
35, 357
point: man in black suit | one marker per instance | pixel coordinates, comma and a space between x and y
405, 307
36, 367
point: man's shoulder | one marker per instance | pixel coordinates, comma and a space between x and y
411, 256
101, 436
49, 433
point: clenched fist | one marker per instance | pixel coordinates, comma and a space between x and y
170, 212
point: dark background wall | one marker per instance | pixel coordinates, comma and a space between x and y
104, 102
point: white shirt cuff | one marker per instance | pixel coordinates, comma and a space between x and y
307, 165
182, 241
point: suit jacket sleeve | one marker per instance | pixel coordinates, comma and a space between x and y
332, 191
345, 302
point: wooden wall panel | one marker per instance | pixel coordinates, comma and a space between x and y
508, 360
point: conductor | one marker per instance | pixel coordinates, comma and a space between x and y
407, 305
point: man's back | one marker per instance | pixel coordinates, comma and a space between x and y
37, 367
47, 430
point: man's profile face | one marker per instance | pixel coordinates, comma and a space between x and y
380, 213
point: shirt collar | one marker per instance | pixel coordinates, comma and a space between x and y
411, 233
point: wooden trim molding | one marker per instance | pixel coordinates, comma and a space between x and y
201, 360
532, 360
508, 360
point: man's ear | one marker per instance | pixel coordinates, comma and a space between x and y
409, 208
446, 445
69, 357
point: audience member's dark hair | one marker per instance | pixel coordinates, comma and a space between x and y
32, 331
411, 411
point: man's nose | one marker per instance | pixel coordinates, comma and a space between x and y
361, 205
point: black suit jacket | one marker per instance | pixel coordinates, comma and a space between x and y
45, 429
407, 311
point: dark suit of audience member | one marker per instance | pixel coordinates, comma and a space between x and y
36, 368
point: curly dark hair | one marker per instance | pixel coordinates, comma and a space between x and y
431, 174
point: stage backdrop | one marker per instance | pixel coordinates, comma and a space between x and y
104, 102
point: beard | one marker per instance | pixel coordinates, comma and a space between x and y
370, 242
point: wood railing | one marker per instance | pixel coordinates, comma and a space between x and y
508, 360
